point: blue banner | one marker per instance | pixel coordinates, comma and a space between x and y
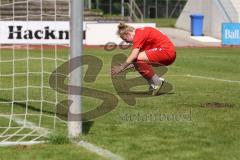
231, 34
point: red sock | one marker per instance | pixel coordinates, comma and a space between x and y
144, 68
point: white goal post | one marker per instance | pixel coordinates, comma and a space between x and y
76, 41
28, 104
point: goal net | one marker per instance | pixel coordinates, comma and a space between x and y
34, 41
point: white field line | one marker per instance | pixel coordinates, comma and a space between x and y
29, 125
211, 78
7, 143
43, 131
84, 144
181, 75
24, 124
102, 152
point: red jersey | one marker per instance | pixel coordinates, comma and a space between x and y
148, 38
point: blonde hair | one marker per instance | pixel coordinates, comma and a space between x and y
123, 28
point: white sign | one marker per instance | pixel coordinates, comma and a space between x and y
34, 32
103, 33
51, 32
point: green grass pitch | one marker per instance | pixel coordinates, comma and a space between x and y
206, 104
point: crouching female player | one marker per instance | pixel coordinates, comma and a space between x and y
149, 46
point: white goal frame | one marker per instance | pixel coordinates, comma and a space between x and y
76, 8
76, 43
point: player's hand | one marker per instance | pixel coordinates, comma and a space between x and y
116, 70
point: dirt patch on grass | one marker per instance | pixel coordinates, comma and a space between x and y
23, 147
216, 105
29, 147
